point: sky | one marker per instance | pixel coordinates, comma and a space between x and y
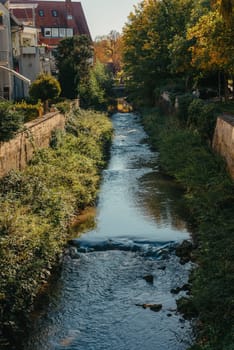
105, 15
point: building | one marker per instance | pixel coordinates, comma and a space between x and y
30, 30
54, 20
14, 77
6, 61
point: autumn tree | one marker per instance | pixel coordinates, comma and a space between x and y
226, 9
108, 50
149, 40
213, 47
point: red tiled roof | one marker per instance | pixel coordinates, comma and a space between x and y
61, 20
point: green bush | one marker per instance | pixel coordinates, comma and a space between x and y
64, 106
11, 121
202, 118
183, 105
30, 111
45, 88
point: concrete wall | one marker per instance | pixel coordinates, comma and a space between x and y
223, 141
17, 152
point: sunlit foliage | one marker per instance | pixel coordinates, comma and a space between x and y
37, 206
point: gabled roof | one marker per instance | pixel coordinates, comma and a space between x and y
57, 14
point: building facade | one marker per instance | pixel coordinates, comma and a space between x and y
30, 31
54, 20
6, 61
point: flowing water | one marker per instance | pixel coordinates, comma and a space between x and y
126, 261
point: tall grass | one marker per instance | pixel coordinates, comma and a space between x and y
37, 206
185, 155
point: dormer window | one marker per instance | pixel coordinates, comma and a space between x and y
41, 13
54, 13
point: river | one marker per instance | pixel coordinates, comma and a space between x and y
126, 262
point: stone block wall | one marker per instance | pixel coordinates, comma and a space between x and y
15, 153
223, 141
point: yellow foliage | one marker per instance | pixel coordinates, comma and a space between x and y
211, 49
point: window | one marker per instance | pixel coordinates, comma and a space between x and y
69, 32
62, 32
69, 16
47, 32
41, 13
55, 32
54, 13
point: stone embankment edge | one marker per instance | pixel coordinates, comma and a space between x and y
223, 140
16, 153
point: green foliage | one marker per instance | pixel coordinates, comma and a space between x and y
210, 200
11, 121
96, 93
202, 118
149, 39
64, 106
45, 87
30, 111
176, 39
73, 59
37, 206
183, 106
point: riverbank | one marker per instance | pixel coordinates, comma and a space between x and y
209, 198
37, 206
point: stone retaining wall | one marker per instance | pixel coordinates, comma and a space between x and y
223, 141
15, 153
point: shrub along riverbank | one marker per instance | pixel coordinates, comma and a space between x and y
185, 155
37, 206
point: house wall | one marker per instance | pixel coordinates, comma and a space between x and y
17, 152
27, 58
6, 82
223, 141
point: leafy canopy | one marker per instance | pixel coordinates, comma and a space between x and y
45, 87
74, 58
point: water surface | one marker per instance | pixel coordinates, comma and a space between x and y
97, 302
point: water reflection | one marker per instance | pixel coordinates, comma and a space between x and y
162, 200
135, 200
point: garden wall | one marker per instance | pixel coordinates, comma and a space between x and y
223, 141
15, 153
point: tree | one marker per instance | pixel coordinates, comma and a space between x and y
226, 9
45, 87
108, 50
147, 51
213, 45
96, 93
74, 58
